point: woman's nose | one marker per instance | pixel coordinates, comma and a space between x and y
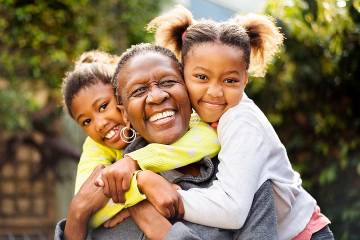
156, 95
215, 90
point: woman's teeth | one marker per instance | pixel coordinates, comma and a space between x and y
161, 115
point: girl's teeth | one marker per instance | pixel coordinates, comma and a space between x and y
161, 115
110, 134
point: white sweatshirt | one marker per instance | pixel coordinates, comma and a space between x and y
250, 154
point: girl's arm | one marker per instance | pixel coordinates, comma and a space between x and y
92, 156
132, 197
242, 159
86, 201
200, 141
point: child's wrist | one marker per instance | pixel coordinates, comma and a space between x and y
141, 178
133, 163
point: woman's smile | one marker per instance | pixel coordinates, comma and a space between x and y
161, 119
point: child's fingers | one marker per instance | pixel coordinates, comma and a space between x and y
121, 197
117, 219
106, 188
172, 210
181, 210
175, 186
126, 183
113, 190
99, 182
120, 191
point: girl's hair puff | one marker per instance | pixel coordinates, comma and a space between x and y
170, 27
265, 40
90, 68
256, 35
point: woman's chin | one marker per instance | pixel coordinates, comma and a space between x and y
166, 136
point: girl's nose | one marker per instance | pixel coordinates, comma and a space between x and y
100, 124
215, 90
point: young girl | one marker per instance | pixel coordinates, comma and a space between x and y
89, 99
217, 59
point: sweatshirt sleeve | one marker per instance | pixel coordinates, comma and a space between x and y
231, 195
132, 197
93, 155
200, 141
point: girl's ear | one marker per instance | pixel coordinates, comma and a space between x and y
246, 78
124, 114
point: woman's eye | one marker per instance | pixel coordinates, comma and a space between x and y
103, 107
201, 76
138, 92
167, 83
86, 122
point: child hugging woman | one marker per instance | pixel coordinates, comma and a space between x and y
218, 58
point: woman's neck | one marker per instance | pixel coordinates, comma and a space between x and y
192, 169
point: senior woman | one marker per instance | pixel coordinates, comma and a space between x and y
149, 81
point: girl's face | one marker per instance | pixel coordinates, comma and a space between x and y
94, 108
154, 97
215, 76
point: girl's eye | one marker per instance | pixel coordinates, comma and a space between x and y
139, 92
201, 76
167, 83
231, 81
86, 122
103, 107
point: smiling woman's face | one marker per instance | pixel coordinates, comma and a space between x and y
154, 97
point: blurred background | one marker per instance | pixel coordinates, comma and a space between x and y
310, 95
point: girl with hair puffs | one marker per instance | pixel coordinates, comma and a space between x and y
218, 57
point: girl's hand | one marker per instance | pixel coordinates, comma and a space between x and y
117, 219
161, 194
150, 221
87, 201
115, 179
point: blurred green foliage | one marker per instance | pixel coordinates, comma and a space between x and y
311, 95
40, 39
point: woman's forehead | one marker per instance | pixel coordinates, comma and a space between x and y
147, 59
146, 67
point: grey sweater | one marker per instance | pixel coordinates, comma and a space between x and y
260, 224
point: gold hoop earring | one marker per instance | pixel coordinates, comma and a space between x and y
125, 138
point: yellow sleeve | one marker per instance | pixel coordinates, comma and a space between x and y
200, 141
133, 196
93, 154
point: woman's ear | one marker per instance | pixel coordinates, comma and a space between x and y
124, 114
